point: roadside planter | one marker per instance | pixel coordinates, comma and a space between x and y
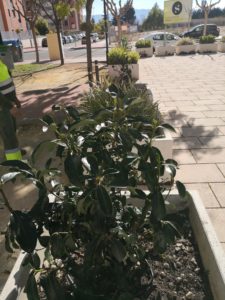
120, 60
207, 44
185, 46
221, 45
164, 50
143, 47
210, 249
116, 71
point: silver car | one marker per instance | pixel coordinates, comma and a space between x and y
162, 39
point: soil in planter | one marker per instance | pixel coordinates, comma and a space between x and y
178, 272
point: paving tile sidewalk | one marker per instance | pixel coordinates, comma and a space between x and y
191, 93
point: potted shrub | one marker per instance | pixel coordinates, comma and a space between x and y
144, 48
207, 44
122, 61
185, 46
221, 44
92, 238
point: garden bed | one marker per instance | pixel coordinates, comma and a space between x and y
178, 273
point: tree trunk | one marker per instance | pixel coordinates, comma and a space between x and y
206, 13
59, 42
88, 40
32, 26
119, 28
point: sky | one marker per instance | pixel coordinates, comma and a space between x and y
138, 4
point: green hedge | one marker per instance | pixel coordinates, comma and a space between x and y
207, 39
143, 44
120, 56
185, 41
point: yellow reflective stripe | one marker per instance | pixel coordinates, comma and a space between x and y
4, 74
13, 155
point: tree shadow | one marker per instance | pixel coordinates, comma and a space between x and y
196, 137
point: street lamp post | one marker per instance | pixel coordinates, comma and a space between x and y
106, 31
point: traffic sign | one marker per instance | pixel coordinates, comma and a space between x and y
177, 11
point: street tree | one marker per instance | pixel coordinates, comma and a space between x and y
29, 10
154, 19
87, 4
56, 11
129, 16
42, 26
206, 7
118, 12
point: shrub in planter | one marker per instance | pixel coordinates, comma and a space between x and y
221, 45
207, 44
121, 61
164, 50
93, 239
185, 46
143, 47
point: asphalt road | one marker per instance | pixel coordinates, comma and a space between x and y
71, 53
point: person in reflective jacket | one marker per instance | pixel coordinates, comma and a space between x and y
8, 100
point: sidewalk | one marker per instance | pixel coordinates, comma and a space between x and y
191, 93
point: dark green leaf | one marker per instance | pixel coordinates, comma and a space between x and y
73, 169
104, 200
73, 112
158, 207
126, 139
9, 177
44, 240
57, 245
31, 288
87, 123
171, 162
118, 250
181, 189
35, 262
16, 163
25, 231
168, 126
48, 119
52, 287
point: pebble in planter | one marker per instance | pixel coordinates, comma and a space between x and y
120, 59
185, 46
221, 45
144, 48
207, 44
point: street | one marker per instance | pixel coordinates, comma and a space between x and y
72, 51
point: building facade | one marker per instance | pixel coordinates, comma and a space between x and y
10, 21
72, 22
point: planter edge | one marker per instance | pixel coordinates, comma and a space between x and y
211, 251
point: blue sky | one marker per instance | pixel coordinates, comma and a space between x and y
147, 4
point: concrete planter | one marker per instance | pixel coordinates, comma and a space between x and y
185, 49
221, 47
207, 48
210, 249
145, 52
164, 144
164, 50
115, 71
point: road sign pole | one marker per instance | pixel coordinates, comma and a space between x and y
106, 32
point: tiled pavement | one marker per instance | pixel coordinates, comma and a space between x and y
191, 94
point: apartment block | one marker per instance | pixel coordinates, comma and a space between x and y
10, 20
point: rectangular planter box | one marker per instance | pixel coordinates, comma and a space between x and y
164, 144
164, 50
207, 48
211, 251
115, 71
145, 52
185, 49
221, 47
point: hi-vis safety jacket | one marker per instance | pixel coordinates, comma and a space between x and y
6, 82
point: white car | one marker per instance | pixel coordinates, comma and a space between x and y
162, 38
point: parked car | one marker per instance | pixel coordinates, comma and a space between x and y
95, 37
83, 40
44, 42
162, 38
70, 39
197, 31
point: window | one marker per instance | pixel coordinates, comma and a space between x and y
158, 37
169, 37
9, 12
14, 14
